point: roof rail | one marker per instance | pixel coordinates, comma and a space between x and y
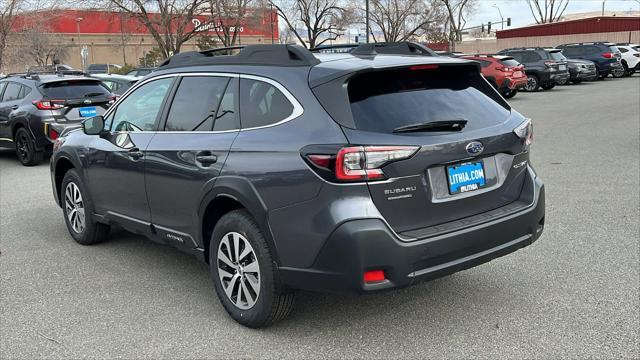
388, 48
273, 55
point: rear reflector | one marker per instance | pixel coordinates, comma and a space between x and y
374, 276
323, 161
53, 134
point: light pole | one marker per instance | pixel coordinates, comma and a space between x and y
78, 20
603, 1
499, 12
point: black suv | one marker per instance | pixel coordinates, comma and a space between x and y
606, 56
35, 108
543, 71
352, 172
579, 70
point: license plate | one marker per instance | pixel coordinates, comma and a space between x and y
465, 177
88, 111
563, 67
518, 74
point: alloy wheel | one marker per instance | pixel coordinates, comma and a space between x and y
22, 146
74, 207
238, 270
532, 83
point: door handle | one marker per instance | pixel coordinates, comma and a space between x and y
206, 158
15, 107
135, 153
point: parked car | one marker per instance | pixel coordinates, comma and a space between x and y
542, 70
503, 72
605, 56
102, 68
140, 72
579, 70
35, 108
630, 58
118, 84
380, 172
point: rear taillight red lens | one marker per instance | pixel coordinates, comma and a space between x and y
361, 163
525, 131
424, 67
373, 276
608, 55
49, 104
53, 134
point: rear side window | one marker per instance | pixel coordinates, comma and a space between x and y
75, 89
532, 56
12, 92
571, 51
262, 104
384, 100
2, 86
189, 115
509, 62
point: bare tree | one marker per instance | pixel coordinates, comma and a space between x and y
36, 45
230, 16
170, 22
400, 20
322, 20
8, 10
457, 12
547, 11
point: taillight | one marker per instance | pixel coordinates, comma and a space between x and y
361, 163
49, 104
500, 68
112, 99
636, 54
424, 67
53, 133
550, 63
525, 131
608, 55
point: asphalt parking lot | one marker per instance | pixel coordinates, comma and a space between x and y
574, 293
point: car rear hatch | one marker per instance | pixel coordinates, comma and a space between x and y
451, 150
511, 67
72, 100
558, 61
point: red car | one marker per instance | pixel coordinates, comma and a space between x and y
503, 72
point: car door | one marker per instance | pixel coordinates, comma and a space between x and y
114, 161
188, 152
11, 98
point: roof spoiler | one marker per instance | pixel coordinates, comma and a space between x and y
372, 49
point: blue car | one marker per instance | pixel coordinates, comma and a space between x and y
606, 56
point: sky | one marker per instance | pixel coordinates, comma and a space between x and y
520, 14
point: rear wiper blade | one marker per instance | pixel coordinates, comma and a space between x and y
445, 125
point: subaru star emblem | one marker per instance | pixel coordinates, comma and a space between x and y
87, 101
474, 148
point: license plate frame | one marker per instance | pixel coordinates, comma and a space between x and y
88, 111
463, 177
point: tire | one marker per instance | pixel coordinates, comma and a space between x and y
26, 148
533, 84
77, 209
262, 306
598, 75
618, 73
627, 72
509, 94
548, 86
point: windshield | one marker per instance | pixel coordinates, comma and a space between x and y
557, 55
75, 89
614, 48
385, 100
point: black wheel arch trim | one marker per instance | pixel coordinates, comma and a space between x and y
241, 190
55, 161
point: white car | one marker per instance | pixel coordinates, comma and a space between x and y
630, 58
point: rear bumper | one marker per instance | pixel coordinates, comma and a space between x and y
361, 245
559, 76
514, 83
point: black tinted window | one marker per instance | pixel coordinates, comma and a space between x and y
557, 55
383, 101
532, 56
571, 51
75, 89
509, 62
24, 91
12, 92
189, 115
262, 104
622, 50
227, 116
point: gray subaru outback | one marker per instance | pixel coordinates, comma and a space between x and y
283, 170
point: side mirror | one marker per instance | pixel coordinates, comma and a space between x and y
93, 125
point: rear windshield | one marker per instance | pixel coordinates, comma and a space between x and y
614, 48
557, 55
384, 100
75, 89
509, 62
